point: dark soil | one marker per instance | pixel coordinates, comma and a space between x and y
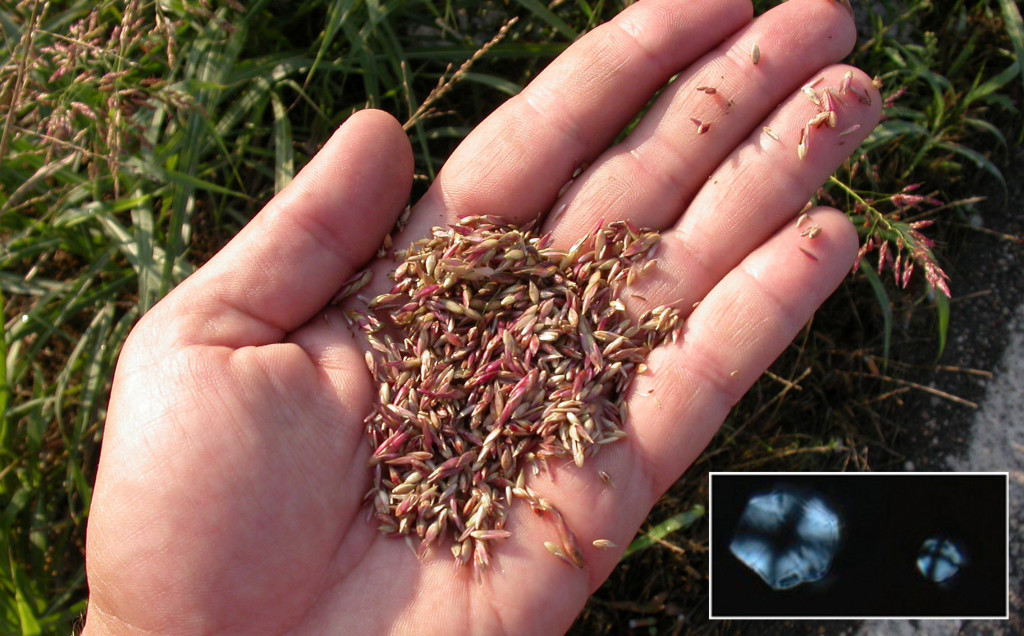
985, 262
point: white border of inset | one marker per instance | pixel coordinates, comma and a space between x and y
711, 520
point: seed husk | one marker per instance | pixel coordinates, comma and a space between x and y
495, 353
755, 54
844, 85
801, 148
812, 231
702, 126
810, 94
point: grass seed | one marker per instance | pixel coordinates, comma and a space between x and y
495, 353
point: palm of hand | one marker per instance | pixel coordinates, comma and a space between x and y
234, 461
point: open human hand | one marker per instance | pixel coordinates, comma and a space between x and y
234, 460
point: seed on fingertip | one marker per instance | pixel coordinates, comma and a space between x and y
819, 119
844, 85
771, 133
710, 90
800, 219
565, 187
810, 94
603, 544
863, 96
755, 54
851, 129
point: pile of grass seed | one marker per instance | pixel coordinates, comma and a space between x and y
495, 353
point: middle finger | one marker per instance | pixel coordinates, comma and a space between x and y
653, 174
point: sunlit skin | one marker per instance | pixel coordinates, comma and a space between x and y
228, 497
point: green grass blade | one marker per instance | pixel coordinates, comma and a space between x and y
337, 15
5, 390
889, 130
942, 320
143, 231
459, 53
273, 67
884, 304
88, 365
989, 87
657, 533
448, 132
1015, 29
184, 179
35, 427
497, 83
284, 154
210, 59
991, 129
26, 616
367, 60
549, 16
40, 175
979, 160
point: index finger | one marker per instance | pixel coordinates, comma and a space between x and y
514, 163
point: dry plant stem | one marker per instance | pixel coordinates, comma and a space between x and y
495, 353
19, 81
445, 83
921, 387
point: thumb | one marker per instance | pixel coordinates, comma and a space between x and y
290, 260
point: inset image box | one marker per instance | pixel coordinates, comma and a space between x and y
859, 545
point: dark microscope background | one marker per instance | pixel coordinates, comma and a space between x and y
885, 519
